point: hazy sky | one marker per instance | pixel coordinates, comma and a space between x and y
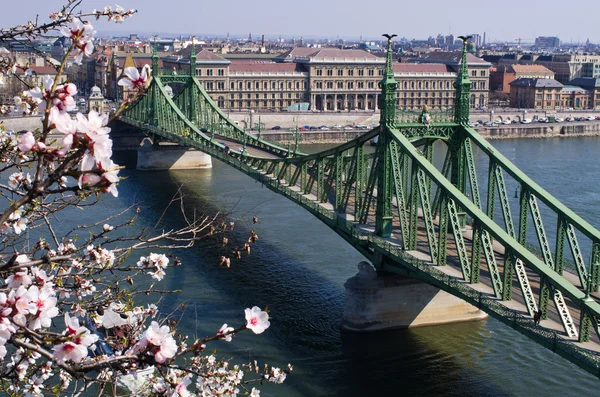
506, 20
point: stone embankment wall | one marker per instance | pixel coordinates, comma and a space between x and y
22, 123
562, 130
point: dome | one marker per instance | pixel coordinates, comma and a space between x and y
96, 92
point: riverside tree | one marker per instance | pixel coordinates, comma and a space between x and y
68, 321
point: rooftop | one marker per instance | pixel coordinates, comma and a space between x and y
537, 83
451, 58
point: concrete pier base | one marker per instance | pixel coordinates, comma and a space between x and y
376, 302
168, 156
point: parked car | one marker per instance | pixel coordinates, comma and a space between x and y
336, 127
473, 124
542, 120
515, 121
569, 119
361, 127
490, 124
505, 122
324, 128
590, 118
526, 121
277, 127
559, 120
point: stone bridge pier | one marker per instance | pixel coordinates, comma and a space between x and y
381, 301
170, 156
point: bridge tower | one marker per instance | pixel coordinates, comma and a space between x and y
191, 92
456, 145
385, 182
154, 93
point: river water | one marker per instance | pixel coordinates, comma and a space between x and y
299, 266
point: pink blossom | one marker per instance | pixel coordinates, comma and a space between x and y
133, 78
224, 330
26, 141
19, 278
181, 389
257, 320
69, 351
160, 342
45, 307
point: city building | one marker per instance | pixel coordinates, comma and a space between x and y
479, 72
502, 76
96, 100
592, 85
547, 42
318, 79
567, 67
535, 93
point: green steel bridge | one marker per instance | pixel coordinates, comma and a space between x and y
413, 218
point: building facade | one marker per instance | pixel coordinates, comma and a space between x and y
322, 79
501, 76
581, 93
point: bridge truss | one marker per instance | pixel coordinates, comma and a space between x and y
446, 225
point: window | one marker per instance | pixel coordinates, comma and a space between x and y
249, 85
281, 85
297, 85
351, 85
289, 85
198, 72
318, 84
433, 85
380, 72
405, 85
209, 85
265, 85
361, 84
257, 85
483, 73
330, 84
240, 86
412, 85
340, 72
220, 85
232, 86
340, 85
427, 85
371, 84
329, 72
361, 72
473, 73
273, 85
319, 72
220, 72
371, 72
350, 72
209, 72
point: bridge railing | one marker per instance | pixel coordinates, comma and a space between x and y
487, 229
570, 227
